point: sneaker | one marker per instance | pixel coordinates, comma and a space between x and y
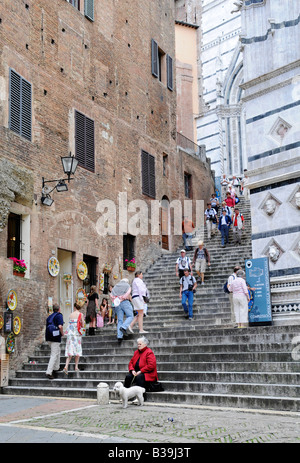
190, 318
124, 331
142, 332
130, 330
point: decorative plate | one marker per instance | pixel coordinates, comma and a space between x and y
53, 266
1, 322
82, 270
17, 325
10, 343
12, 299
81, 296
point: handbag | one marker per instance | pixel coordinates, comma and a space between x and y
146, 299
80, 327
99, 321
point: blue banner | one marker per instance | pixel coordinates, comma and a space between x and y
258, 279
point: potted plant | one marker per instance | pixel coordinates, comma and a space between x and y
19, 267
130, 265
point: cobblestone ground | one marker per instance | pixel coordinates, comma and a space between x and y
161, 424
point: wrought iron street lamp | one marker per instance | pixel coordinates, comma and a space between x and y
69, 165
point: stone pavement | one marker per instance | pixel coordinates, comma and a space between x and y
52, 420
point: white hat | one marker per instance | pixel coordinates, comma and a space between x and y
182, 250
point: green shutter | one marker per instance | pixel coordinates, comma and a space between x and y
169, 72
148, 174
20, 113
154, 58
89, 9
84, 141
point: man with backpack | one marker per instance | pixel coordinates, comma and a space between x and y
54, 332
188, 285
231, 278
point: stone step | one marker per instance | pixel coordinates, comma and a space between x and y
284, 378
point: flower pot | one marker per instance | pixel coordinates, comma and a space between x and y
131, 269
19, 274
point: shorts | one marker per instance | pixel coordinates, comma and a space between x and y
200, 265
137, 303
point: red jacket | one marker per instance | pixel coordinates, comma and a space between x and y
147, 363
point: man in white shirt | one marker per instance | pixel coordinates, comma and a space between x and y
182, 263
211, 220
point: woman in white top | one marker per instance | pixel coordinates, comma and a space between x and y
139, 290
240, 299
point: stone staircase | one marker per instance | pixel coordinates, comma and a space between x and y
201, 362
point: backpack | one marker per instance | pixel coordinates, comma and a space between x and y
225, 287
51, 329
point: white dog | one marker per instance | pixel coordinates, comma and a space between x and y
128, 393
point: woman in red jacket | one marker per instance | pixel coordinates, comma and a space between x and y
142, 366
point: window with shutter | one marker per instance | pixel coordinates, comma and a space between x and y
75, 3
89, 9
84, 141
148, 174
170, 72
20, 113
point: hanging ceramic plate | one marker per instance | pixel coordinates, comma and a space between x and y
53, 266
1, 322
81, 296
17, 325
12, 299
82, 270
10, 343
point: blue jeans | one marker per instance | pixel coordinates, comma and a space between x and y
224, 233
125, 308
185, 237
187, 295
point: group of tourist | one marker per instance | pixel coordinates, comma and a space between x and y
225, 215
131, 301
128, 301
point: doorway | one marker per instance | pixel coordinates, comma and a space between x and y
91, 278
65, 284
165, 223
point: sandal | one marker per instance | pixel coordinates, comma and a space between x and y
65, 371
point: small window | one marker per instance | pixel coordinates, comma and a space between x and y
187, 185
128, 249
20, 94
148, 174
161, 65
14, 236
84, 141
165, 165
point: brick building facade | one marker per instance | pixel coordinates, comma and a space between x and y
94, 80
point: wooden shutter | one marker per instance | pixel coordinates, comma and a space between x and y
154, 58
148, 174
84, 141
89, 9
170, 72
20, 114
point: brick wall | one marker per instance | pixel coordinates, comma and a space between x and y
101, 68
